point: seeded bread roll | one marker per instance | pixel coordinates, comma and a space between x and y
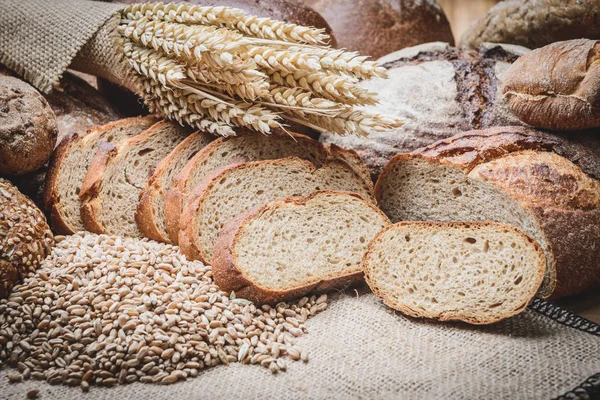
231, 190
557, 86
292, 247
28, 128
480, 273
542, 184
25, 238
378, 27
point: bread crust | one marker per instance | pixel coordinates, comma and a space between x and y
230, 278
450, 316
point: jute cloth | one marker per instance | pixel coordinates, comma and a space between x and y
359, 349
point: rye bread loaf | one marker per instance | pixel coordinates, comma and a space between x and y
117, 175
291, 247
247, 146
557, 86
378, 27
150, 213
69, 166
535, 23
28, 128
231, 190
477, 272
25, 238
439, 91
542, 184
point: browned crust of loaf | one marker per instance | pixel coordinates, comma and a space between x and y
230, 278
557, 86
8, 277
90, 188
354, 161
450, 316
51, 194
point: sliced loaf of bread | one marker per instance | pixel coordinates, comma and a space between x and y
150, 213
288, 248
243, 148
478, 272
233, 189
117, 175
69, 165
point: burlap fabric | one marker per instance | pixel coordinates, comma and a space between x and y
359, 349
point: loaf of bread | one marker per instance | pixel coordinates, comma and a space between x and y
540, 183
28, 128
535, 23
439, 91
378, 27
477, 272
117, 174
69, 166
231, 190
25, 238
288, 248
557, 86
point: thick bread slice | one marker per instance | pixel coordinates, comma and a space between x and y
288, 248
69, 165
478, 272
117, 174
150, 213
233, 189
248, 147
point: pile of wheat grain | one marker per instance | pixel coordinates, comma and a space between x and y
105, 310
217, 68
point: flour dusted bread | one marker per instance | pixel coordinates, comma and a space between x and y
150, 213
479, 273
118, 174
233, 189
294, 246
247, 147
69, 165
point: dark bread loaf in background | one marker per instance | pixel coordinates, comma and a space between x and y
378, 27
439, 91
557, 86
535, 23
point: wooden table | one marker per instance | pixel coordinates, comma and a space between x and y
587, 305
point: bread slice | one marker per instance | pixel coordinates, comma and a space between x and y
479, 272
69, 165
288, 248
233, 189
117, 175
248, 147
150, 213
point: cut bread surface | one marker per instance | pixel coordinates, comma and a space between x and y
69, 166
150, 213
479, 272
291, 247
237, 188
117, 176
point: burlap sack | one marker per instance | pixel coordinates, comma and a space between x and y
359, 349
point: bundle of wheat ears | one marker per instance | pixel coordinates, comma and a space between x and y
217, 68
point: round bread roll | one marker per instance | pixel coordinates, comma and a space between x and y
28, 128
378, 27
25, 238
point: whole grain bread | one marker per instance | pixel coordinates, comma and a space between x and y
288, 248
150, 213
535, 23
477, 272
231, 190
557, 86
247, 146
378, 27
118, 174
69, 166
439, 91
541, 183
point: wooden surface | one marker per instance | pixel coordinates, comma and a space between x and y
587, 305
